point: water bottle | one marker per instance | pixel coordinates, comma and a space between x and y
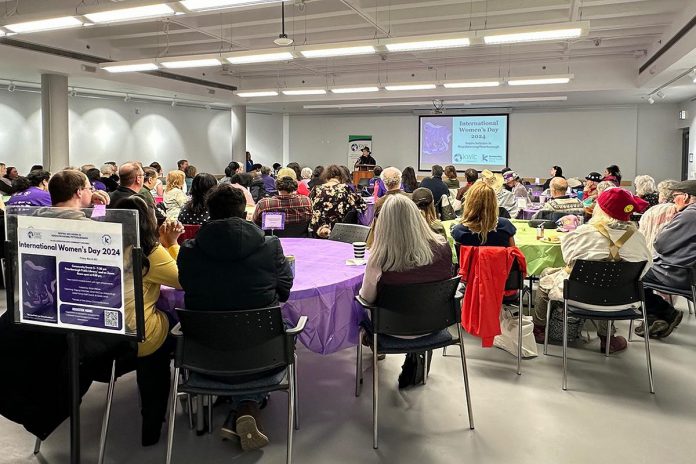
540, 231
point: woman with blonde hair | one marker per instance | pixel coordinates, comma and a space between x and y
480, 224
174, 196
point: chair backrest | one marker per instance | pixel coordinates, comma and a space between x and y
364, 182
416, 309
605, 283
349, 233
515, 279
300, 230
547, 223
503, 213
226, 343
190, 231
351, 217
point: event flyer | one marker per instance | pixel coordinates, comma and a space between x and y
71, 273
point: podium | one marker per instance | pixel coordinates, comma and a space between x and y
363, 171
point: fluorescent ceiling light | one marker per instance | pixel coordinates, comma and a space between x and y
45, 25
429, 103
304, 92
261, 93
428, 44
355, 90
129, 14
338, 51
540, 81
120, 68
533, 36
191, 63
465, 85
410, 87
200, 5
260, 58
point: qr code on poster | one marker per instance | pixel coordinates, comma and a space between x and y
111, 319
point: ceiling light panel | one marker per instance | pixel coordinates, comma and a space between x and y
338, 51
355, 90
130, 14
260, 93
304, 92
203, 5
51, 24
122, 68
428, 44
200, 63
396, 88
540, 81
533, 36
469, 85
260, 58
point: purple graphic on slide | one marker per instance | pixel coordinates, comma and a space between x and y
39, 288
436, 140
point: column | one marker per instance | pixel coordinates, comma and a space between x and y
54, 122
239, 134
286, 139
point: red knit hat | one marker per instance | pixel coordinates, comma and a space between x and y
620, 204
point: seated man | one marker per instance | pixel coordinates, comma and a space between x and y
230, 265
561, 204
436, 185
297, 208
471, 177
674, 245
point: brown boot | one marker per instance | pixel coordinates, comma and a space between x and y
248, 426
616, 344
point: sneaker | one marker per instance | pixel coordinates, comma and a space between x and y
539, 333
250, 436
616, 343
678, 315
655, 327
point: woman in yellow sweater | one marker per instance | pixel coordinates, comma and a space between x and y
160, 250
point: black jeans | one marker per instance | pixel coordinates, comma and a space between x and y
656, 306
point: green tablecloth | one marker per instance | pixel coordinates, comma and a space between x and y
539, 255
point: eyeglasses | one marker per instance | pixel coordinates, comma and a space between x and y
89, 187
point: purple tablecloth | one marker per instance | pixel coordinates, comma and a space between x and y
324, 290
369, 214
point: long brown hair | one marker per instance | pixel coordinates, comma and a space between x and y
480, 213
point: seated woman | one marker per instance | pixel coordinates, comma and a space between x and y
331, 201
31, 190
611, 218
405, 251
506, 199
174, 196
242, 181
658, 216
451, 177
409, 180
160, 250
423, 198
376, 184
646, 189
480, 224
195, 211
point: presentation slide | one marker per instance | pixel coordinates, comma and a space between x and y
479, 142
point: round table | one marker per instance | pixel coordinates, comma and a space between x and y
324, 290
369, 214
539, 255
528, 213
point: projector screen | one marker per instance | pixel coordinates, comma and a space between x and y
479, 142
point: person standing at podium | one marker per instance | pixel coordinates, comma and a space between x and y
365, 159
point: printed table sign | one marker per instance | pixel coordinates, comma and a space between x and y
273, 221
71, 273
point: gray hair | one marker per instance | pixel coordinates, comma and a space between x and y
666, 190
107, 169
391, 178
306, 173
558, 185
644, 185
403, 240
605, 185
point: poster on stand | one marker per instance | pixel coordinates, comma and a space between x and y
355, 145
71, 274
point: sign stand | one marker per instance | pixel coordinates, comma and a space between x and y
13, 286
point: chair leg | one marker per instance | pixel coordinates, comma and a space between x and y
690, 304
295, 399
200, 415
172, 415
291, 410
358, 365
465, 373
107, 413
37, 446
630, 331
425, 367
646, 338
519, 338
610, 325
375, 393
565, 344
189, 407
210, 414
546, 327
444, 351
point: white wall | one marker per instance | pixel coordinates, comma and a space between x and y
264, 137
640, 139
690, 123
20, 130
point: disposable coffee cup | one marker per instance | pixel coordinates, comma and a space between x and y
359, 250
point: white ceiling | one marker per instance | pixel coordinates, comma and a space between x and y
623, 34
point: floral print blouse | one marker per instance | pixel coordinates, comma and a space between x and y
331, 202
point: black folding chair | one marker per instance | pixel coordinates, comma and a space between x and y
349, 233
291, 230
604, 290
425, 310
214, 347
676, 291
